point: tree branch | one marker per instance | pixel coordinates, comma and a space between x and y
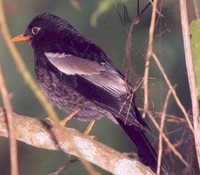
42, 135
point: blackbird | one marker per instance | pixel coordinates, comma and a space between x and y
75, 72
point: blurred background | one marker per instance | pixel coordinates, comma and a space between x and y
110, 34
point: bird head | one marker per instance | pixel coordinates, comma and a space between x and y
43, 30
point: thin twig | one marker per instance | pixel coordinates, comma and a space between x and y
22, 67
171, 146
169, 117
191, 75
157, 10
12, 137
163, 116
63, 167
33, 132
148, 56
179, 143
173, 92
128, 45
128, 50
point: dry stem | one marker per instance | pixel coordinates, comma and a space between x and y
191, 75
148, 56
169, 117
171, 146
163, 116
9, 117
173, 92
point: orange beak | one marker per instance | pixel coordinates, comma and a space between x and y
21, 38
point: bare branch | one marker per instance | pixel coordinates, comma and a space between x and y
128, 45
148, 56
173, 92
169, 117
171, 146
191, 75
163, 116
9, 116
34, 132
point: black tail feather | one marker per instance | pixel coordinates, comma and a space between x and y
146, 152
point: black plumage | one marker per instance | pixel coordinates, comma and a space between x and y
74, 72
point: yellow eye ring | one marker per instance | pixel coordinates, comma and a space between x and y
35, 30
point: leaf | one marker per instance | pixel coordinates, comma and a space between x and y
195, 44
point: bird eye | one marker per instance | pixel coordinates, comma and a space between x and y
35, 30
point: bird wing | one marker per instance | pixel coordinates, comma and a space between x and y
103, 76
101, 83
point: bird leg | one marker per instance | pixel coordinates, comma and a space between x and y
89, 127
66, 119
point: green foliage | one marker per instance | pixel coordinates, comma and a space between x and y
103, 6
195, 43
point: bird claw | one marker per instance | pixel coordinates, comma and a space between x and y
92, 137
131, 155
63, 122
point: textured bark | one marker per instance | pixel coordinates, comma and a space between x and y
39, 134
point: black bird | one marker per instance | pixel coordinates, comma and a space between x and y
73, 71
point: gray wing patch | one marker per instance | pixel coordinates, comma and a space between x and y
72, 65
103, 76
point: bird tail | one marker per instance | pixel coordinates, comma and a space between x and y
146, 152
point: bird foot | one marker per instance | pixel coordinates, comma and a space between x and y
70, 116
92, 137
89, 129
63, 122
